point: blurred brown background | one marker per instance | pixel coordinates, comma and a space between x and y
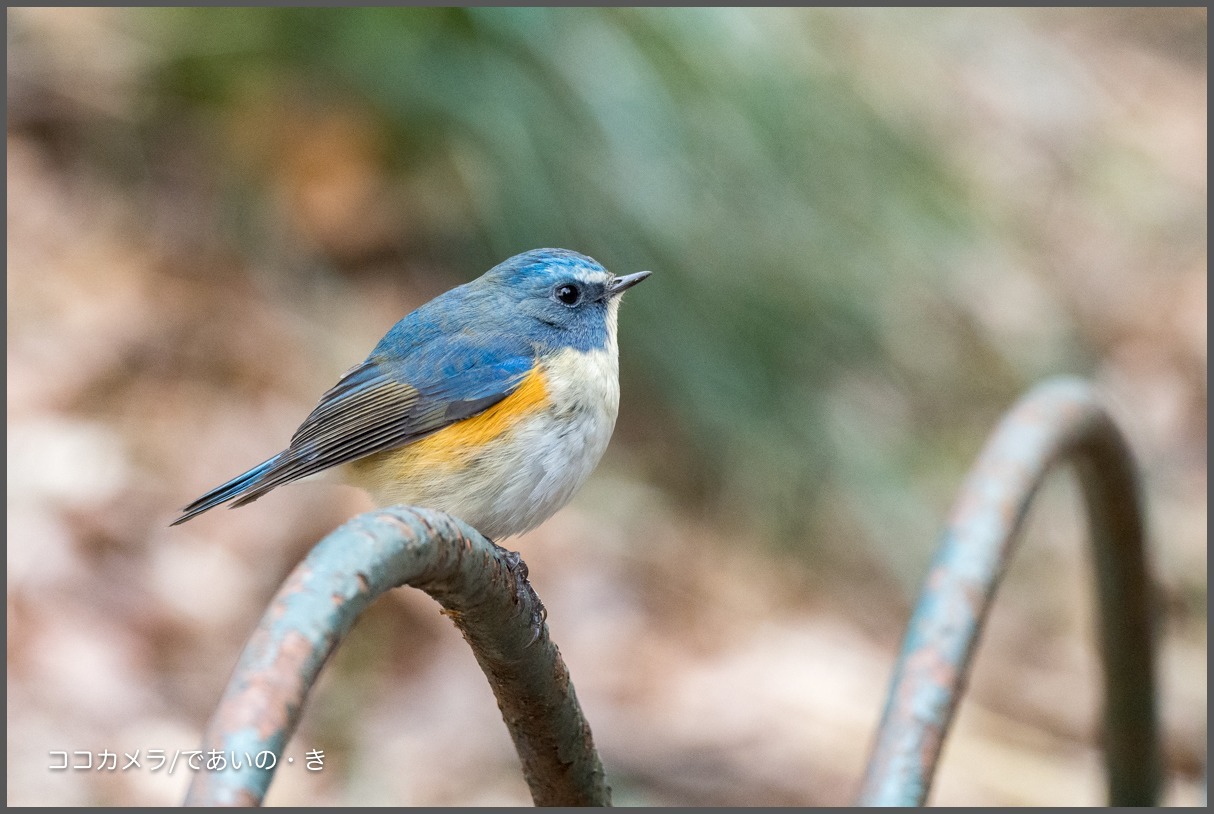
870, 232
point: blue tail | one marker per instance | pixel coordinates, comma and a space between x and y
236, 487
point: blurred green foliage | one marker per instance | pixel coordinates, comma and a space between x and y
725, 149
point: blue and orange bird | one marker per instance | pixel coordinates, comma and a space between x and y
492, 402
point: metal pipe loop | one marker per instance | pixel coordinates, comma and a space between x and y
1059, 421
479, 587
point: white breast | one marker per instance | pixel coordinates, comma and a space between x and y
554, 451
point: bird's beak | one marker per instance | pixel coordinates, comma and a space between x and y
621, 284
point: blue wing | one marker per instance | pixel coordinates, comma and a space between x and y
418, 380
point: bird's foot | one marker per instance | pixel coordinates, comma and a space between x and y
523, 590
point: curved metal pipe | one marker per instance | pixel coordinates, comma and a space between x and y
1059, 421
480, 586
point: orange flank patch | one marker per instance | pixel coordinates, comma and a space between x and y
469, 435
453, 446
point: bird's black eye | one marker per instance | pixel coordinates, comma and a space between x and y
568, 294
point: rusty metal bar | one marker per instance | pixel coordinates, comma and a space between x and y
1059, 421
477, 585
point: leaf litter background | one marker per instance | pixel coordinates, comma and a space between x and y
870, 231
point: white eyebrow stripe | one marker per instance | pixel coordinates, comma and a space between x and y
588, 276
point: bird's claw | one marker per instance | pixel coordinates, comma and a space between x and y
524, 591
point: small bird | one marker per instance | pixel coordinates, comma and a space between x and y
492, 402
